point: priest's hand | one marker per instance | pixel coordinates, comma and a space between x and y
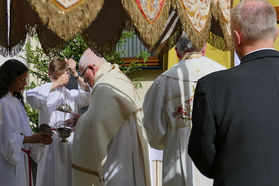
44, 138
72, 122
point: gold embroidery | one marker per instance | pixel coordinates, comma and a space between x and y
67, 17
85, 170
192, 55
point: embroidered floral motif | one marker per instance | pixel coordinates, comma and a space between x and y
184, 111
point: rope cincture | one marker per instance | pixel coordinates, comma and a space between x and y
28, 152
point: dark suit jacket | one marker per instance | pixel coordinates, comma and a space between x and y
235, 134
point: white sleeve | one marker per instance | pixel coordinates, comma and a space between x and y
37, 97
37, 151
10, 141
83, 97
154, 119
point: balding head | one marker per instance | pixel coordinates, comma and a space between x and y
255, 19
90, 58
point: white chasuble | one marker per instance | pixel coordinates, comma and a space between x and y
168, 118
110, 147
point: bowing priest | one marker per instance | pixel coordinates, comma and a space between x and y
109, 146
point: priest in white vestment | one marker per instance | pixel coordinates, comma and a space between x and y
110, 147
167, 114
55, 167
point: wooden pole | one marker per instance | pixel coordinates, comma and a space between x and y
277, 11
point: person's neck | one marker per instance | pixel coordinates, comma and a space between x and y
250, 47
189, 55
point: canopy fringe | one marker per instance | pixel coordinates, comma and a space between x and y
149, 31
67, 22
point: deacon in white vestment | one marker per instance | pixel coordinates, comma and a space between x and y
167, 114
55, 167
110, 147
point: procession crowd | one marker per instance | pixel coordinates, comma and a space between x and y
216, 126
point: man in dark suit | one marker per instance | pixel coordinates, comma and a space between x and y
235, 134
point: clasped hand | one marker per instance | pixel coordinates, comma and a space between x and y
72, 122
44, 138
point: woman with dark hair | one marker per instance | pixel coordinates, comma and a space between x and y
17, 143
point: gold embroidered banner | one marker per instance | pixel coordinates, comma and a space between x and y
221, 12
59, 20
67, 17
148, 17
195, 18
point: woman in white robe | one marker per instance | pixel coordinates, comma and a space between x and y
55, 167
17, 143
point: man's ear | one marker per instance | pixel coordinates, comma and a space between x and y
238, 37
91, 67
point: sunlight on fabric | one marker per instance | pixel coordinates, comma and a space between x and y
112, 171
181, 85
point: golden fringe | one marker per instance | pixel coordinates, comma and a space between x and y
198, 39
217, 41
225, 26
66, 24
149, 32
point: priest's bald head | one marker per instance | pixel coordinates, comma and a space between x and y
89, 64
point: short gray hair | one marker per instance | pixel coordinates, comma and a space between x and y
256, 19
184, 45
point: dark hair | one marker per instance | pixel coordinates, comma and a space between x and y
9, 71
185, 45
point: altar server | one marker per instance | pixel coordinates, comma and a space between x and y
17, 142
54, 169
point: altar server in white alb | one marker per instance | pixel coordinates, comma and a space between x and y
109, 146
17, 142
167, 114
55, 168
